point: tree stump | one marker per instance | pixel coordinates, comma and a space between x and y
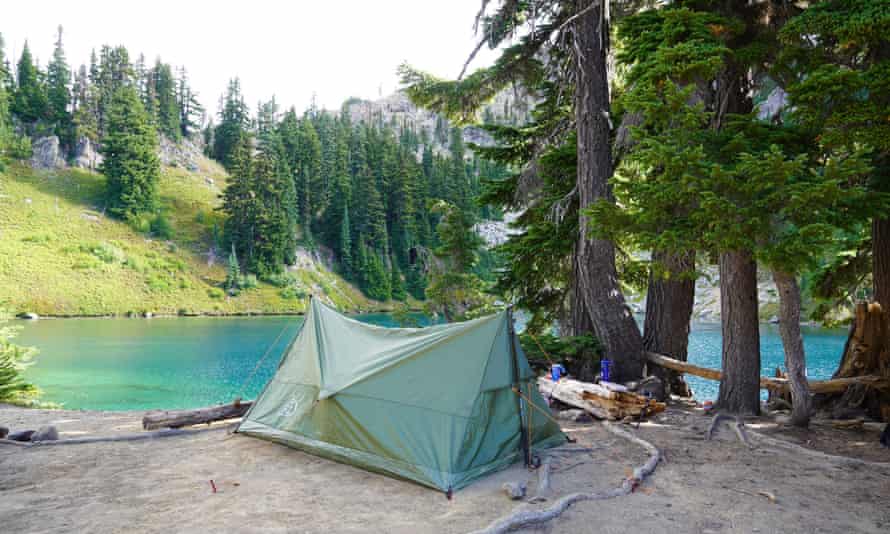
867, 352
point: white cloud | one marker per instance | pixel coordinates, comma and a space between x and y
292, 49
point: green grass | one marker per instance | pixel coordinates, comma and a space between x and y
60, 255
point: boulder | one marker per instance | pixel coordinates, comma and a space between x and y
86, 155
46, 153
46, 433
28, 315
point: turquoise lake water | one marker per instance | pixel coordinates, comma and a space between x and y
136, 364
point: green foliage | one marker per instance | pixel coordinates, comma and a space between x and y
234, 121
233, 274
29, 103
13, 360
580, 355
130, 156
161, 227
58, 76
745, 185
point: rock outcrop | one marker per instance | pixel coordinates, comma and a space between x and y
86, 155
185, 153
46, 153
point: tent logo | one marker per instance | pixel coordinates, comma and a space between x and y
290, 408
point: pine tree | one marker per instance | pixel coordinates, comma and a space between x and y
397, 285
234, 121
345, 244
58, 78
240, 203
191, 111
29, 103
130, 163
233, 273
168, 106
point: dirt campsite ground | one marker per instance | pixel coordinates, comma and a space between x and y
163, 485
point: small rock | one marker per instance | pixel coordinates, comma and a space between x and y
22, 435
46, 433
514, 490
3, 432
773, 320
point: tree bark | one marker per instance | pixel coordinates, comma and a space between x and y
740, 385
669, 301
880, 238
612, 320
792, 341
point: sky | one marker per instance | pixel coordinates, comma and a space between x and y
334, 49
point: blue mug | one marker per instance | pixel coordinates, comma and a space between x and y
604, 369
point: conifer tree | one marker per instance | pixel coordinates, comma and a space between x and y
345, 243
168, 106
29, 103
233, 273
130, 163
234, 121
58, 78
397, 285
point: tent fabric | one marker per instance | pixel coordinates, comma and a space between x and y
433, 405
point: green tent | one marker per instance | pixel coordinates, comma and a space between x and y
434, 405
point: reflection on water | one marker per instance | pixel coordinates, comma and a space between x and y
130, 364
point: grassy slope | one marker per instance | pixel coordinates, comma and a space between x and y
59, 255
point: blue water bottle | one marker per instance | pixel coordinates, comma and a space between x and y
556, 371
604, 369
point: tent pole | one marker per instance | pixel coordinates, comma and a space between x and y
514, 364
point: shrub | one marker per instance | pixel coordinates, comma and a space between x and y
13, 360
161, 227
216, 293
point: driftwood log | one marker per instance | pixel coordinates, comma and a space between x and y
780, 385
600, 401
180, 418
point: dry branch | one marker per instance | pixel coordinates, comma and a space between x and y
524, 517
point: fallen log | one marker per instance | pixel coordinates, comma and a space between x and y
779, 385
600, 401
180, 418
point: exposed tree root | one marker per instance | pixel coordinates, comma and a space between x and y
523, 517
737, 425
832, 458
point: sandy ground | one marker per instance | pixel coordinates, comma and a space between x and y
163, 485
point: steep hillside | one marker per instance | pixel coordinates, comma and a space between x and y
61, 255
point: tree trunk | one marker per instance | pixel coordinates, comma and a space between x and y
740, 385
792, 341
612, 320
880, 238
669, 302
